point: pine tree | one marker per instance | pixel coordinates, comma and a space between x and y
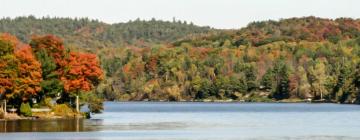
267, 80
282, 89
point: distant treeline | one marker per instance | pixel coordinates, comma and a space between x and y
84, 32
279, 70
310, 29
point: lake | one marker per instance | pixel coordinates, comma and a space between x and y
198, 121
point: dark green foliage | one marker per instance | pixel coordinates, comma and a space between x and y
281, 76
48, 65
357, 76
250, 75
282, 91
240, 85
94, 34
111, 66
51, 87
95, 104
357, 40
356, 83
343, 88
334, 38
268, 80
206, 90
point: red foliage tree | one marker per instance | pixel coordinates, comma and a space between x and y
151, 65
52, 44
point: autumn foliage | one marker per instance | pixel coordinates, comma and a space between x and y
312, 29
82, 72
21, 73
8, 68
52, 45
304, 58
29, 75
77, 71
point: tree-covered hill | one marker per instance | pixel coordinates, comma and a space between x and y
84, 32
297, 58
88, 33
310, 29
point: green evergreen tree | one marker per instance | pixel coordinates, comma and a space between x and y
267, 79
282, 88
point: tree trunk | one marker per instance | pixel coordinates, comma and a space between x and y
77, 104
321, 95
5, 108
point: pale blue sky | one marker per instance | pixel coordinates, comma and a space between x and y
215, 13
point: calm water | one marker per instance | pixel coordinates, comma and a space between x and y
199, 121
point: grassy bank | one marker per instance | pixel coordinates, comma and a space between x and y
60, 111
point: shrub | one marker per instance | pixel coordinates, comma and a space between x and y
94, 101
63, 110
36, 106
47, 102
25, 109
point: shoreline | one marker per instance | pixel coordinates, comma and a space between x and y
49, 116
235, 101
40, 116
35, 118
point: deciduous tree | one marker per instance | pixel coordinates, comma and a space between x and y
82, 72
29, 73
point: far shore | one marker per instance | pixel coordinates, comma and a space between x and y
237, 101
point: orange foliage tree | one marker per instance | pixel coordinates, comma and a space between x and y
8, 63
82, 72
77, 71
52, 45
20, 72
29, 73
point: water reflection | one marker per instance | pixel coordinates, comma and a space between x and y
82, 125
200, 121
60, 125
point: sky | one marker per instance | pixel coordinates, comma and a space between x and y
223, 14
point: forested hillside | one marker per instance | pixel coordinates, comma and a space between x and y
87, 33
289, 59
298, 58
310, 29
